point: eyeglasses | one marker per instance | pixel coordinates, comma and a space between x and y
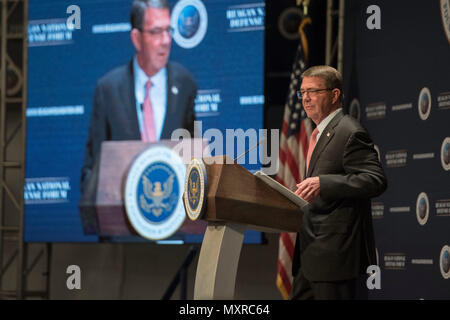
302, 93
158, 31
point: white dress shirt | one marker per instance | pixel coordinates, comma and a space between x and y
323, 124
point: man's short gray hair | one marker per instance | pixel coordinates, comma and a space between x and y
332, 77
138, 10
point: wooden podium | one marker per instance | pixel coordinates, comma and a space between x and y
236, 200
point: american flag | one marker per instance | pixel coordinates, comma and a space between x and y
296, 130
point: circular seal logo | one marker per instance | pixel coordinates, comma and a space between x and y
288, 23
153, 192
424, 103
422, 208
195, 189
445, 14
445, 154
444, 262
355, 109
189, 21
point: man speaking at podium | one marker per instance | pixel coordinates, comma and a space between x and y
147, 98
335, 244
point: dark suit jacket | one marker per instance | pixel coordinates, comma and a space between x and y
114, 115
336, 239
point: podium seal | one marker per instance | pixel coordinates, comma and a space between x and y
195, 189
153, 190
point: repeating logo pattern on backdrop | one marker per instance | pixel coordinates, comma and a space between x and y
355, 109
445, 15
445, 154
422, 208
409, 123
424, 103
444, 262
190, 22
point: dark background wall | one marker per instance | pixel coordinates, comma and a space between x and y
394, 72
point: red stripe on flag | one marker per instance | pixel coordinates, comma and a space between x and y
303, 135
284, 277
282, 156
288, 244
284, 128
297, 136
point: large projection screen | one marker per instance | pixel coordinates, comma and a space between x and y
72, 44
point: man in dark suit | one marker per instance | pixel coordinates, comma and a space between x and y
336, 243
121, 96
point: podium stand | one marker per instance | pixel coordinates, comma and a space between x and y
102, 206
236, 200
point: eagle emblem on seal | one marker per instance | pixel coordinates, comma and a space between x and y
157, 196
194, 189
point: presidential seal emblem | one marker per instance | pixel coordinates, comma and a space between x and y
422, 208
153, 190
195, 189
189, 21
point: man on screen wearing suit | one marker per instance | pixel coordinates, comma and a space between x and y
335, 244
146, 99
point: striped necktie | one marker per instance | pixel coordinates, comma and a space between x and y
312, 144
148, 129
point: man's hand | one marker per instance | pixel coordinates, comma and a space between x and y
308, 189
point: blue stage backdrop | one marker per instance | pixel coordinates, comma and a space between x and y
225, 56
398, 85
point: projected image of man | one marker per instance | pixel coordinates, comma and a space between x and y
149, 97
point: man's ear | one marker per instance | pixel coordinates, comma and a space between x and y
336, 94
135, 36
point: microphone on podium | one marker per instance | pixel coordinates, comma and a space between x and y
243, 154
